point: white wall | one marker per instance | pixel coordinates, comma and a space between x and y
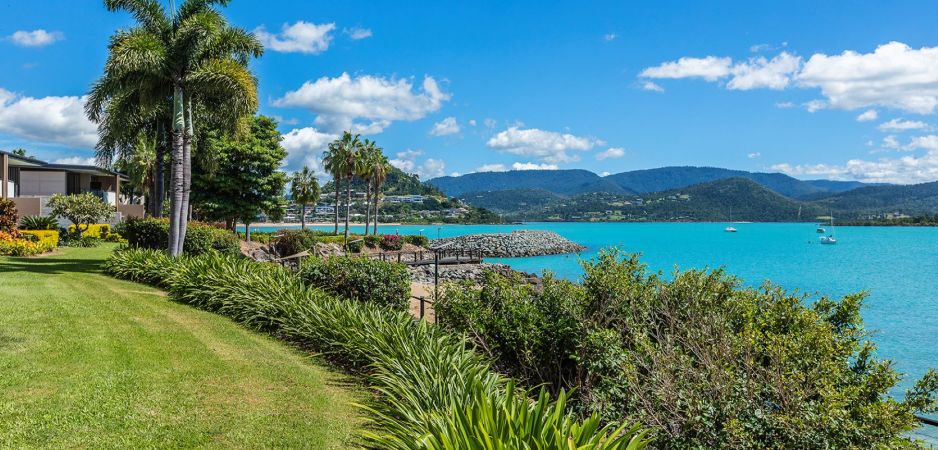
34, 183
11, 188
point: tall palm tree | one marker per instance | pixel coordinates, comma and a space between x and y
183, 65
379, 174
304, 189
369, 152
350, 145
333, 161
140, 167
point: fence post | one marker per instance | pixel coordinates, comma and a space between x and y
421, 307
398, 256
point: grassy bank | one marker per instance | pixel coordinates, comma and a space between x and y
90, 361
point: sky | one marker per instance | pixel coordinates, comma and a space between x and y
838, 90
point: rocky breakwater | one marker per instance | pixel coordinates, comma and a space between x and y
520, 243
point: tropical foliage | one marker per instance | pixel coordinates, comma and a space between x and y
82, 210
704, 361
432, 391
382, 283
38, 223
161, 76
8, 215
304, 189
153, 233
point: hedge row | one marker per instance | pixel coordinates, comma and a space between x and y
152, 233
379, 282
434, 393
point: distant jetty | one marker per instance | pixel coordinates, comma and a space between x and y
519, 243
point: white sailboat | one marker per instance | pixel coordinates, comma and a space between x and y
730, 229
830, 240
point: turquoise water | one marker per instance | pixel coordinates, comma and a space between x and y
897, 266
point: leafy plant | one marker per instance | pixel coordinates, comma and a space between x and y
379, 282
47, 239
38, 223
151, 233
292, 242
433, 392
391, 242
372, 241
417, 239
81, 209
8, 215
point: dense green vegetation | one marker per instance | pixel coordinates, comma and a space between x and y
705, 362
513, 201
560, 182
88, 361
914, 200
397, 182
921, 221
432, 391
201, 238
382, 283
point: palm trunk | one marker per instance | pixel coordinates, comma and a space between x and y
303, 216
367, 205
348, 205
374, 231
335, 182
186, 176
158, 183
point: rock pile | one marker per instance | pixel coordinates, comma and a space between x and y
461, 272
515, 244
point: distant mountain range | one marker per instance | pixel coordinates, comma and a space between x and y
681, 193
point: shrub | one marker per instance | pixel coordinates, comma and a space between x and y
11, 245
38, 223
47, 239
291, 242
81, 209
417, 239
379, 282
355, 246
391, 242
8, 215
710, 364
433, 392
98, 230
372, 241
152, 233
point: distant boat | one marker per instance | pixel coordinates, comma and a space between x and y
730, 229
828, 239
821, 230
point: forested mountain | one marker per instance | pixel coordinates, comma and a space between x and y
511, 200
560, 182
914, 199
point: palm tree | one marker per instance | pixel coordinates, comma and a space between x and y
140, 167
333, 161
379, 174
305, 191
369, 152
182, 65
350, 146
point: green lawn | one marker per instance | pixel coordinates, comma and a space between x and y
90, 361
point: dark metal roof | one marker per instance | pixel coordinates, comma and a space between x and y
65, 167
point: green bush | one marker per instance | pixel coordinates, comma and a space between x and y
372, 241
355, 246
432, 390
47, 239
152, 233
391, 242
8, 215
417, 239
291, 242
378, 282
710, 364
38, 223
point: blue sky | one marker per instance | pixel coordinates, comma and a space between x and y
843, 90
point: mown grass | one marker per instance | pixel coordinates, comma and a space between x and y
90, 361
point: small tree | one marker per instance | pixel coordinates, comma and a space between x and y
81, 209
305, 191
8, 216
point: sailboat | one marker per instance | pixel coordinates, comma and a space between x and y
829, 239
730, 229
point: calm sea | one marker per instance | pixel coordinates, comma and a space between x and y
897, 266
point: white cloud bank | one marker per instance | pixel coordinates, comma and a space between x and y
304, 147
902, 125
301, 37
611, 153
867, 115
894, 75
340, 101
445, 127
429, 168
57, 120
35, 38
515, 166
358, 33
548, 146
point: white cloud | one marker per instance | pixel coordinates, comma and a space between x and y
710, 68
357, 33
445, 127
533, 166
784, 105
651, 86
604, 174
339, 101
59, 120
753, 155
301, 37
891, 143
814, 105
472, 122
902, 170
305, 146
489, 123
429, 168
609, 37
76, 160
612, 152
491, 168
894, 76
549, 146
759, 72
902, 125
35, 38
868, 115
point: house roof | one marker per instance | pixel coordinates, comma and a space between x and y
27, 162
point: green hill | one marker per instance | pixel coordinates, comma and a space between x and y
559, 182
511, 200
914, 200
